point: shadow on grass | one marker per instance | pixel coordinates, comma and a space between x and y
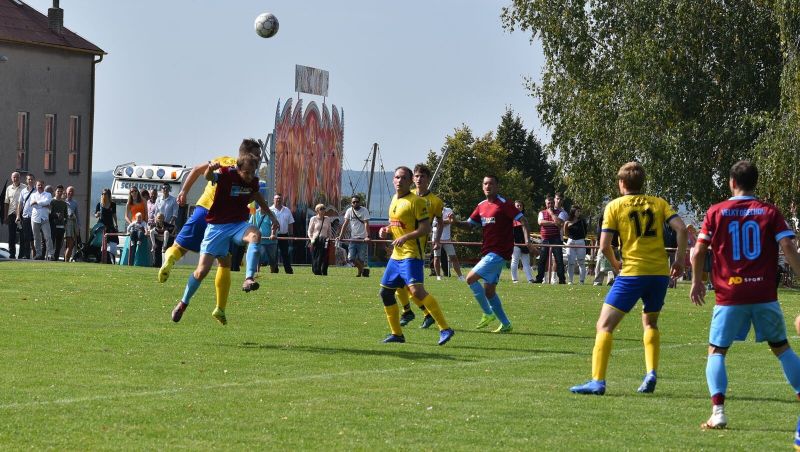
410, 355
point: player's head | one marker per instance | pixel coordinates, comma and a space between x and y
422, 176
250, 146
402, 179
744, 174
631, 176
247, 164
490, 185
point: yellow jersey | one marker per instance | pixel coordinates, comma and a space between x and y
207, 198
435, 207
639, 220
405, 214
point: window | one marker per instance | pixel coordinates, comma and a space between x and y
49, 143
74, 144
22, 140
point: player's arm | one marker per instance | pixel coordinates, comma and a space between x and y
698, 290
677, 225
790, 253
423, 229
209, 171
608, 251
190, 180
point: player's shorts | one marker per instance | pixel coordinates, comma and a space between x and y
732, 323
489, 268
357, 250
627, 290
192, 232
404, 272
218, 238
447, 247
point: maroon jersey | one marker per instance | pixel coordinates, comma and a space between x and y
549, 231
743, 233
231, 197
497, 218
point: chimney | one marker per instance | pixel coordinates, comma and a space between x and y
55, 18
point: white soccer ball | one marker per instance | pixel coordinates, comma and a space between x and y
266, 25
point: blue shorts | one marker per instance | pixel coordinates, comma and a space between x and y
193, 230
732, 323
489, 268
627, 290
401, 273
218, 238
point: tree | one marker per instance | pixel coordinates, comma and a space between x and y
686, 87
526, 156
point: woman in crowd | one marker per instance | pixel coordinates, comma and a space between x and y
106, 213
319, 231
136, 204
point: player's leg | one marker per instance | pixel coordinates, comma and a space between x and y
654, 292
619, 301
188, 239
479, 293
416, 268
250, 236
192, 284
769, 325
390, 282
222, 287
727, 324
403, 296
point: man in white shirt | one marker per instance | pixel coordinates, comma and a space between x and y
40, 221
167, 205
357, 217
285, 229
24, 217
11, 200
447, 218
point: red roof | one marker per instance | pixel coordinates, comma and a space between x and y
21, 23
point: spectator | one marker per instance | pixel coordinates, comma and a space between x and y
670, 243
150, 201
285, 229
137, 231
167, 205
160, 234
40, 222
521, 252
575, 229
268, 248
24, 217
106, 213
59, 210
603, 267
73, 227
357, 217
11, 201
550, 229
691, 234
319, 231
448, 216
136, 204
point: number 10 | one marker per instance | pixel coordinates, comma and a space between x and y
746, 240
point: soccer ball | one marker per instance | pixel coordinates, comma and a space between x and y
266, 25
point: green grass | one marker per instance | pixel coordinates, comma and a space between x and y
92, 361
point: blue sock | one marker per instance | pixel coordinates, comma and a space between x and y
497, 307
252, 260
480, 297
716, 376
191, 287
791, 368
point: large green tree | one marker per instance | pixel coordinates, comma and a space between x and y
687, 87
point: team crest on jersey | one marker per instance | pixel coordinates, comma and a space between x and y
237, 190
487, 220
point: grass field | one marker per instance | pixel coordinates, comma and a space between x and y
92, 361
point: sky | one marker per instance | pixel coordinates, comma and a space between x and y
186, 80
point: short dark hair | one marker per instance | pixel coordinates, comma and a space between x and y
405, 169
492, 176
745, 173
250, 146
422, 168
246, 158
59, 186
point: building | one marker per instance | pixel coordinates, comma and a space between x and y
47, 87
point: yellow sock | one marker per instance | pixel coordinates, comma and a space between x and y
402, 295
652, 348
420, 305
435, 311
222, 283
600, 354
172, 254
393, 316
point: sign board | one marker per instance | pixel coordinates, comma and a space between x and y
310, 80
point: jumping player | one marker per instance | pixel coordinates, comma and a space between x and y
422, 180
645, 272
408, 225
227, 223
744, 234
496, 216
191, 234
